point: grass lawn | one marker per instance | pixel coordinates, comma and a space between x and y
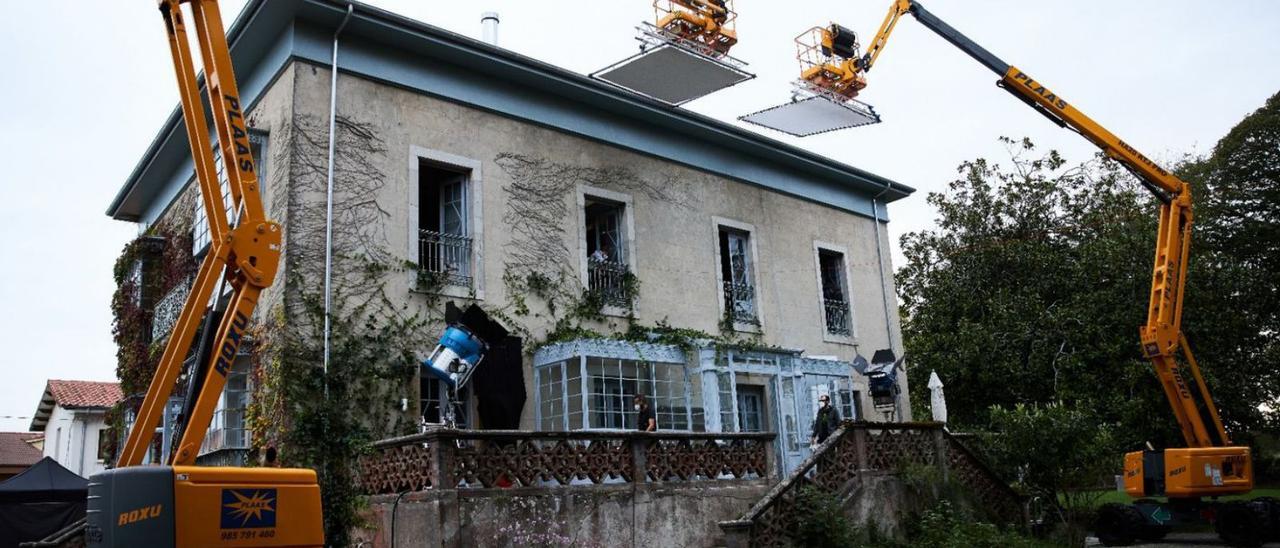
1118, 496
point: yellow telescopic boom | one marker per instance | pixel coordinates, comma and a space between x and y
246, 256
1210, 465
177, 503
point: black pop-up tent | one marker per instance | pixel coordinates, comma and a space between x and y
38, 502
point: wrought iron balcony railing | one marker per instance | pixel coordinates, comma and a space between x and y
447, 254
608, 279
168, 308
740, 302
837, 314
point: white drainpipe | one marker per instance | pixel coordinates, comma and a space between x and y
328, 206
884, 292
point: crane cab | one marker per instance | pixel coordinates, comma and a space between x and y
220, 506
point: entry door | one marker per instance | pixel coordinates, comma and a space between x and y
751, 412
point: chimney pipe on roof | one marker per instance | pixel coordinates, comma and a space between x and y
489, 26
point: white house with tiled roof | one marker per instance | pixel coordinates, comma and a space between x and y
72, 416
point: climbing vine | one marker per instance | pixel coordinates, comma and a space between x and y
149, 267
538, 274
322, 418
306, 413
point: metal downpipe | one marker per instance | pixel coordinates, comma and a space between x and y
328, 205
884, 292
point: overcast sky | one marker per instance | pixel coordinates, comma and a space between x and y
85, 85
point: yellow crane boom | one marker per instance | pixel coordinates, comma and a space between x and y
177, 503
1210, 466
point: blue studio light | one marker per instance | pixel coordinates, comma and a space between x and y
459, 351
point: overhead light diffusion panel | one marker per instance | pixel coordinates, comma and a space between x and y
814, 114
672, 75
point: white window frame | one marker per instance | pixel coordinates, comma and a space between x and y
756, 267
628, 237
578, 362
259, 141
216, 434
473, 224
827, 336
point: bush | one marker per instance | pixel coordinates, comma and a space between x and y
821, 521
945, 526
1056, 455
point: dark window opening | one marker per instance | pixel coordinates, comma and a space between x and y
835, 296
444, 242
751, 408
736, 275
606, 250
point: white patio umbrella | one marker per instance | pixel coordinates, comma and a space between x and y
937, 401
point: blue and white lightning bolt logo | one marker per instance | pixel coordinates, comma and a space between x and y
248, 508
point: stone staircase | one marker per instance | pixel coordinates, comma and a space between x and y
858, 465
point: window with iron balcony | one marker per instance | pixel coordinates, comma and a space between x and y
608, 271
835, 294
444, 233
737, 276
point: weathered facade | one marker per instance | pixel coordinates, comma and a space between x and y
572, 211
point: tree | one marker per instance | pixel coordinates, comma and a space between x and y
1234, 311
1027, 443
1032, 286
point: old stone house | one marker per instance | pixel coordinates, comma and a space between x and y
571, 210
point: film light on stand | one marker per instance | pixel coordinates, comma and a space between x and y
811, 112
684, 55
824, 96
466, 338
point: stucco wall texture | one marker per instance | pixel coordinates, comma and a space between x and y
622, 515
673, 243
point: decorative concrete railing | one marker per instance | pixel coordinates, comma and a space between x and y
497, 458
858, 449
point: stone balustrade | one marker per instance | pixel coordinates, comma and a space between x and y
858, 450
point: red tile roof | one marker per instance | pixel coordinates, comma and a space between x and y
74, 395
85, 393
15, 451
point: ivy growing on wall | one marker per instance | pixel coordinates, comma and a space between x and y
539, 272
322, 418
325, 420
149, 267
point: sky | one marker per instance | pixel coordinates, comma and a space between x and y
85, 86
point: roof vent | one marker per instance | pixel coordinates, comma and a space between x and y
489, 27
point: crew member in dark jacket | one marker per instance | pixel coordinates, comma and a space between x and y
826, 422
645, 421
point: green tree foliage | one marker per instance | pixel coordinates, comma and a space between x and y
1052, 452
1032, 286
1235, 325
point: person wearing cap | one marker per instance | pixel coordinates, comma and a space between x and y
827, 421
